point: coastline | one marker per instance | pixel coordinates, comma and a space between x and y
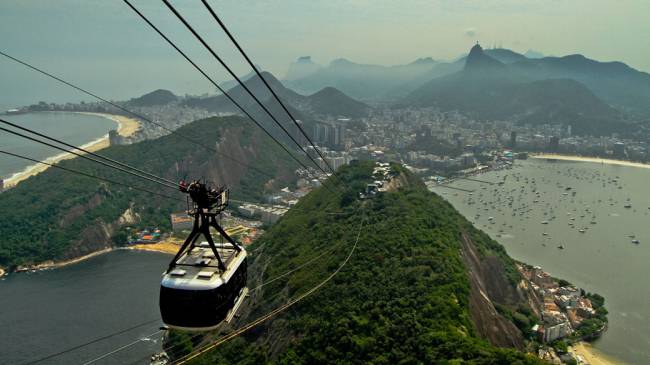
166, 247
608, 161
588, 350
50, 264
126, 127
592, 355
169, 247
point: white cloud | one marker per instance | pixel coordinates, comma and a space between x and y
470, 32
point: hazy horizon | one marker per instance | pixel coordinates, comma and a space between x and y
109, 50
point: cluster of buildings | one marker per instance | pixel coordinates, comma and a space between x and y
382, 173
563, 308
331, 134
267, 214
333, 158
147, 235
244, 231
170, 116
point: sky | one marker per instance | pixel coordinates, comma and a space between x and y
105, 47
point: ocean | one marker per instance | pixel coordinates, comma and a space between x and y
76, 129
569, 197
46, 312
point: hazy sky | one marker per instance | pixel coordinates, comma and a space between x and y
104, 46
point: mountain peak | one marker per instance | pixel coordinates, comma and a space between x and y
270, 79
341, 62
476, 50
478, 59
304, 59
269, 76
157, 97
424, 60
533, 54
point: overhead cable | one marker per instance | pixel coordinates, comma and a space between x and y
259, 75
87, 175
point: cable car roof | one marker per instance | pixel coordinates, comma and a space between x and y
197, 269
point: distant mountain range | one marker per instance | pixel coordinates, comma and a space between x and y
361, 81
327, 101
374, 81
614, 83
594, 97
491, 89
301, 68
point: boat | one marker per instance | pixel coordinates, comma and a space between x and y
561, 247
635, 241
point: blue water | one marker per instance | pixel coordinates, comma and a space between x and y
46, 312
76, 129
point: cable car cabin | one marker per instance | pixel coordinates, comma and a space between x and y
196, 295
205, 283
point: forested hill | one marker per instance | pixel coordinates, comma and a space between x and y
59, 215
413, 292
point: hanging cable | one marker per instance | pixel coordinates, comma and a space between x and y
195, 336
137, 115
192, 338
89, 342
87, 152
88, 175
120, 348
89, 158
273, 313
275, 295
242, 84
259, 75
215, 84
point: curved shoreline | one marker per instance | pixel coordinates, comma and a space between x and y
125, 127
162, 247
607, 161
592, 355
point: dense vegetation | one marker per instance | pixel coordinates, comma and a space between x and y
402, 298
592, 328
56, 214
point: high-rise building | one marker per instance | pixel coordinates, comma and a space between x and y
554, 143
297, 134
332, 136
513, 139
619, 150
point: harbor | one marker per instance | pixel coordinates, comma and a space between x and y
581, 221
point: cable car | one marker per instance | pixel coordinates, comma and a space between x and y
205, 283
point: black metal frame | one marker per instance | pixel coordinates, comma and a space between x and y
204, 218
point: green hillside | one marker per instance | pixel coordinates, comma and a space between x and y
403, 298
488, 89
58, 215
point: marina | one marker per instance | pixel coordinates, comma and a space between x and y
583, 222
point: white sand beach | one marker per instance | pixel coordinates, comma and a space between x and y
126, 127
608, 161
